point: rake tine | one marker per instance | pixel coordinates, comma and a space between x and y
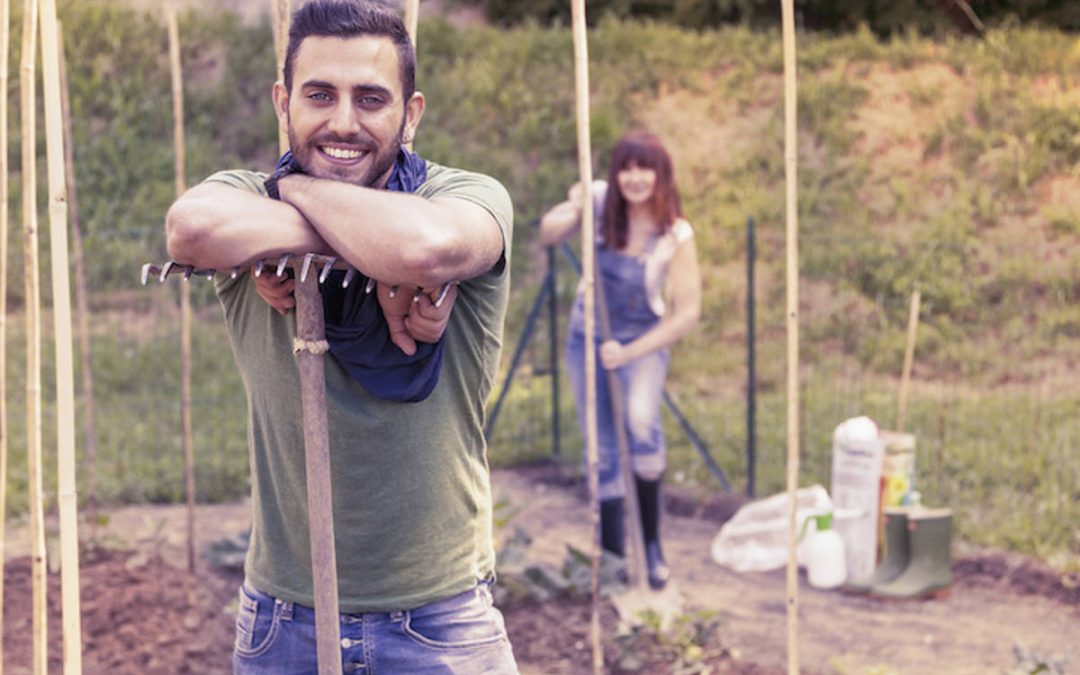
209, 273
369, 287
306, 266
259, 268
282, 263
416, 294
350, 274
188, 270
165, 269
234, 273
442, 293
147, 270
327, 266
393, 291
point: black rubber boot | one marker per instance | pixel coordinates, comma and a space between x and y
648, 492
612, 530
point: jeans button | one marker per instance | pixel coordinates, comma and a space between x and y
346, 643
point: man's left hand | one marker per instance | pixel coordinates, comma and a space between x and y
410, 322
426, 322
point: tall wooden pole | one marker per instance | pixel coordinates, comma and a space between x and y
5, 47
412, 18
412, 14
185, 290
909, 360
82, 310
28, 104
67, 493
281, 10
588, 275
311, 330
791, 178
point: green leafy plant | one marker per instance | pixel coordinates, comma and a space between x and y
1031, 663
692, 642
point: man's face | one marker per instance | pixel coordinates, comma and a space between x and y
345, 117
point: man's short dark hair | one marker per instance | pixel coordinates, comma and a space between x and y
348, 19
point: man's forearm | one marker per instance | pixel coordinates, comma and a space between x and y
397, 238
218, 226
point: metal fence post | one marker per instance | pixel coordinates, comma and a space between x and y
553, 337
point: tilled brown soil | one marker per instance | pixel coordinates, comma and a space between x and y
138, 615
144, 614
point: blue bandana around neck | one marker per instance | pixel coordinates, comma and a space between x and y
356, 328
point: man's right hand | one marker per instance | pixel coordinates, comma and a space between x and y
276, 291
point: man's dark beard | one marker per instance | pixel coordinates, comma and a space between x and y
380, 168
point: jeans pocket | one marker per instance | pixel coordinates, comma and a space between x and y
256, 623
468, 620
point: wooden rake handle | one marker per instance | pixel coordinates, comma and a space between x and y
310, 328
635, 560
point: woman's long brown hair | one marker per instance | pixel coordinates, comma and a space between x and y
644, 149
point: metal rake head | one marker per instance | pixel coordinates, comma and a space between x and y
282, 263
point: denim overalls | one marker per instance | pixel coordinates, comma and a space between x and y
642, 380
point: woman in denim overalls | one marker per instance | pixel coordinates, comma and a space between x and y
644, 248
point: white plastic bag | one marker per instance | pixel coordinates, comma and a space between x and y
756, 537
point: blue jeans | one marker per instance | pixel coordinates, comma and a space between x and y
461, 634
642, 383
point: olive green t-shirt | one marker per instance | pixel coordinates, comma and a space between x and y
411, 484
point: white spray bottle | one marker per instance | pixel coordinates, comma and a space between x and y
826, 566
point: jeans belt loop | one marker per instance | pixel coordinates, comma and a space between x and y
284, 609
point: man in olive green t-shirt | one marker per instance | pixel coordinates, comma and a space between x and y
411, 484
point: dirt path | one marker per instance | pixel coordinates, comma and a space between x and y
142, 610
972, 632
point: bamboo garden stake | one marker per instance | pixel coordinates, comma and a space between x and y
412, 17
185, 291
791, 161
311, 340
67, 493
81, 302
581, 80
280, 10
5, 46
28, 103
909, 360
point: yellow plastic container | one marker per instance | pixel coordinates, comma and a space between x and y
897, 468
